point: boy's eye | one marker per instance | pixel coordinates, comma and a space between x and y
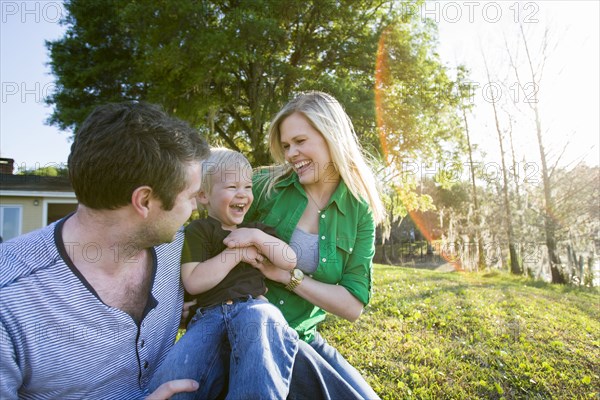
285, 146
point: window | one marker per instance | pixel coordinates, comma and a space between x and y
56, 211
10, 221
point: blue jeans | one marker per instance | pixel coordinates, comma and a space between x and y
314, 378
343, 367
250, 338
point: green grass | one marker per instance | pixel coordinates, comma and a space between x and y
433, 335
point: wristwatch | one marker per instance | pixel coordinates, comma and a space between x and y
296, 277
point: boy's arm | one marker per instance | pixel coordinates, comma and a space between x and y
199, 277
276, 250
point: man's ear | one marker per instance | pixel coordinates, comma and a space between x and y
202, 198
141, 199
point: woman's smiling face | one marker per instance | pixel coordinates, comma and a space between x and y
306, 150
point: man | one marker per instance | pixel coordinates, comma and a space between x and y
90, 305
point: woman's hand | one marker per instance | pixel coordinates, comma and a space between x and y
168, 389
272, 272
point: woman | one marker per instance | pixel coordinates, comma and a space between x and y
322, 199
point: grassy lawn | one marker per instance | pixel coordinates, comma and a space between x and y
433, 335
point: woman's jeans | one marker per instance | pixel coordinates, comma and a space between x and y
262, 348
343, 367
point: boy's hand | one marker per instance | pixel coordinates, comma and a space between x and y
242, 237
186, 312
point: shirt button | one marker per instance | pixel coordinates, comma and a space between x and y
323, 259
145, 364
142, 344
322, 237
280, 301
322, 215
350, 248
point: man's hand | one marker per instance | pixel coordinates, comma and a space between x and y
168, 389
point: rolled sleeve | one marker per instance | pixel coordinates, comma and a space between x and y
357, 271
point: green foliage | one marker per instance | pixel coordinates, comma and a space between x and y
416, 98
46, 171
433, 335
227, 67
93, 63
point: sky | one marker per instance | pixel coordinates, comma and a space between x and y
26, 80
568, 93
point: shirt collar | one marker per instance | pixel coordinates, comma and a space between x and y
341, 197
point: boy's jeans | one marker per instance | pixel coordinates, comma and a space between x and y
262, 347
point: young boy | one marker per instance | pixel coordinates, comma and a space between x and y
232, 313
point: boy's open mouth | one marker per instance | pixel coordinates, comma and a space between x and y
238, 207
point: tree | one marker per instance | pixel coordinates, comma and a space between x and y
46, 171
549, 201
415, 98
228, 66
94, 62
515, 265
464, 106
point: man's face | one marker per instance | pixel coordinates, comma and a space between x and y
166, 223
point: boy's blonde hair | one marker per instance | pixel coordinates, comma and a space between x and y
326, 115
223, 162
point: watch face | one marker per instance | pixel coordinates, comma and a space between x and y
298, 274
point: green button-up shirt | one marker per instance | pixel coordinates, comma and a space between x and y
346, 245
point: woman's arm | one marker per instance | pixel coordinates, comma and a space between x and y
335, 299
347, 298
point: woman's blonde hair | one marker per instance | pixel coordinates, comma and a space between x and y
223, 161
327, 116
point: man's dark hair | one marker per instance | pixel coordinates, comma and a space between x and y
123, 146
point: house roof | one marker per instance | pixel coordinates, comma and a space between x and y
26, 184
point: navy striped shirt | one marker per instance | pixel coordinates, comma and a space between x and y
59, 340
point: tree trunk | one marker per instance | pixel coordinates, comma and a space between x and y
515, 266
477, 220
549, 224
